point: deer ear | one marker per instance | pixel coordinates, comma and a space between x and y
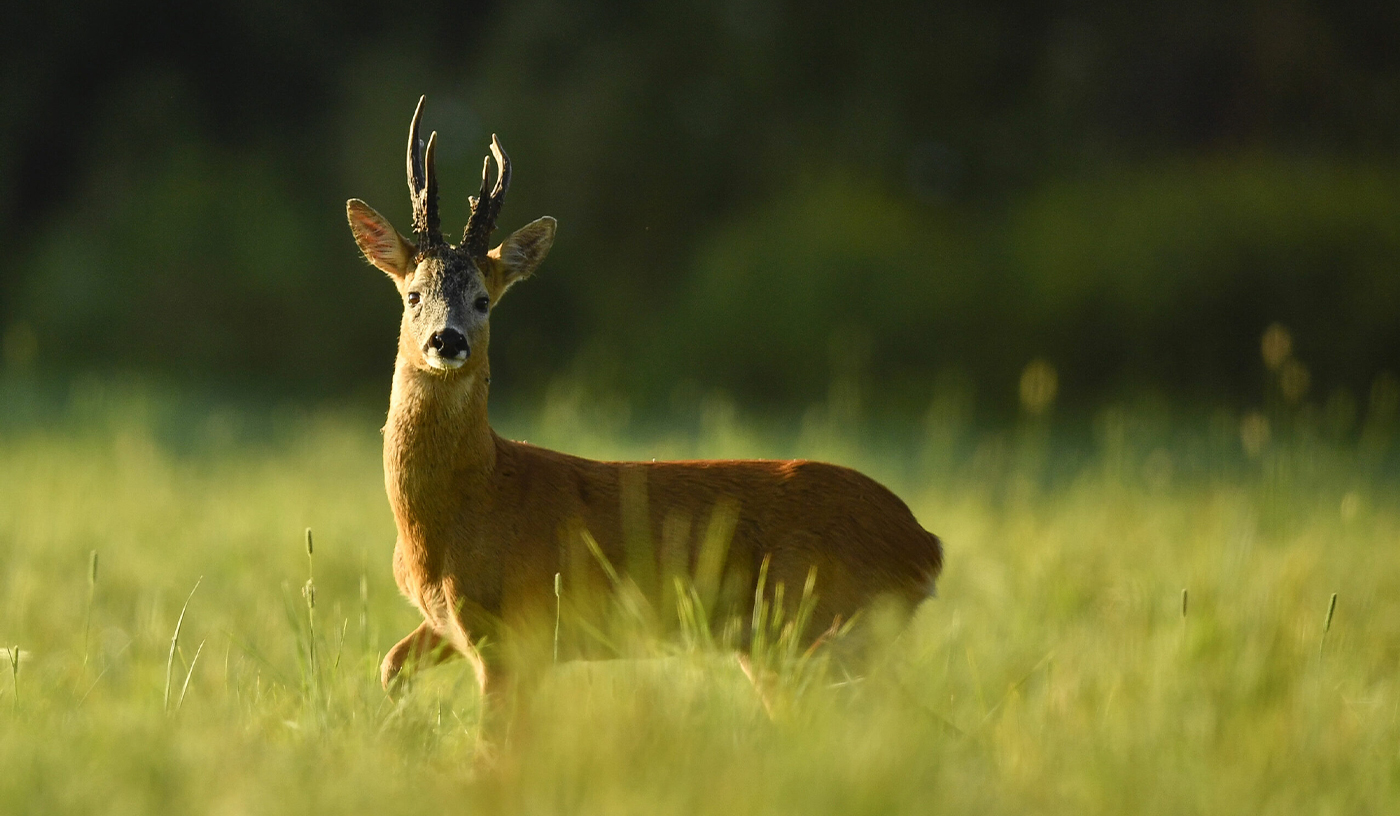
519, 255
382, 245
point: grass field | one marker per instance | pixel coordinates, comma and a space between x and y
1056, 672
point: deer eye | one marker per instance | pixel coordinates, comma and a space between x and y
413, 298
482, 304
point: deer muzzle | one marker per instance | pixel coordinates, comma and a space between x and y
447, 349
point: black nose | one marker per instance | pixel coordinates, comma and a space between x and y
449, 343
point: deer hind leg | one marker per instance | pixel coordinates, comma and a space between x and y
422, 647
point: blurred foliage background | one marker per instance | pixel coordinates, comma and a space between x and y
755, 198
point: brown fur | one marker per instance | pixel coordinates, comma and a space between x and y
485, 524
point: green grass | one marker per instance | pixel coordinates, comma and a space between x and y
1055, 672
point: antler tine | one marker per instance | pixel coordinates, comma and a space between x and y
485, 177
415, 156
430, 192
486, 206
422, 182
481, 194
503, 179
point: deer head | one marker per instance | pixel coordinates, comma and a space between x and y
449, 290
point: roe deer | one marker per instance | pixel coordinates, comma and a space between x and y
485, 524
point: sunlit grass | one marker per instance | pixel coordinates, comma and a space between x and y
1055, 672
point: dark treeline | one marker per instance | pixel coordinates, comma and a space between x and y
756, 197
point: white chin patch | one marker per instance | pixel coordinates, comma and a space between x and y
444, 364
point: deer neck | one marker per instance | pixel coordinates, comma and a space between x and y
439, 454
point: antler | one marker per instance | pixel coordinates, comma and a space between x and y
485, 207
422, 184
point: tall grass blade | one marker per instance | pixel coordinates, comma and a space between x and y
1327, 624
364, 609
14, 672
758, 628
714, 550
629, 596
640, 555
175, 642
308, 591
185, 687
92, 588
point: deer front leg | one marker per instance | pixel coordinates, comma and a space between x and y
421, 643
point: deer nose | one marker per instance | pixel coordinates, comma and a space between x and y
450, 343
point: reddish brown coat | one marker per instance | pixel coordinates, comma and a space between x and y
485, 524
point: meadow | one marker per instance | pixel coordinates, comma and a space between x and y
1136, 617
